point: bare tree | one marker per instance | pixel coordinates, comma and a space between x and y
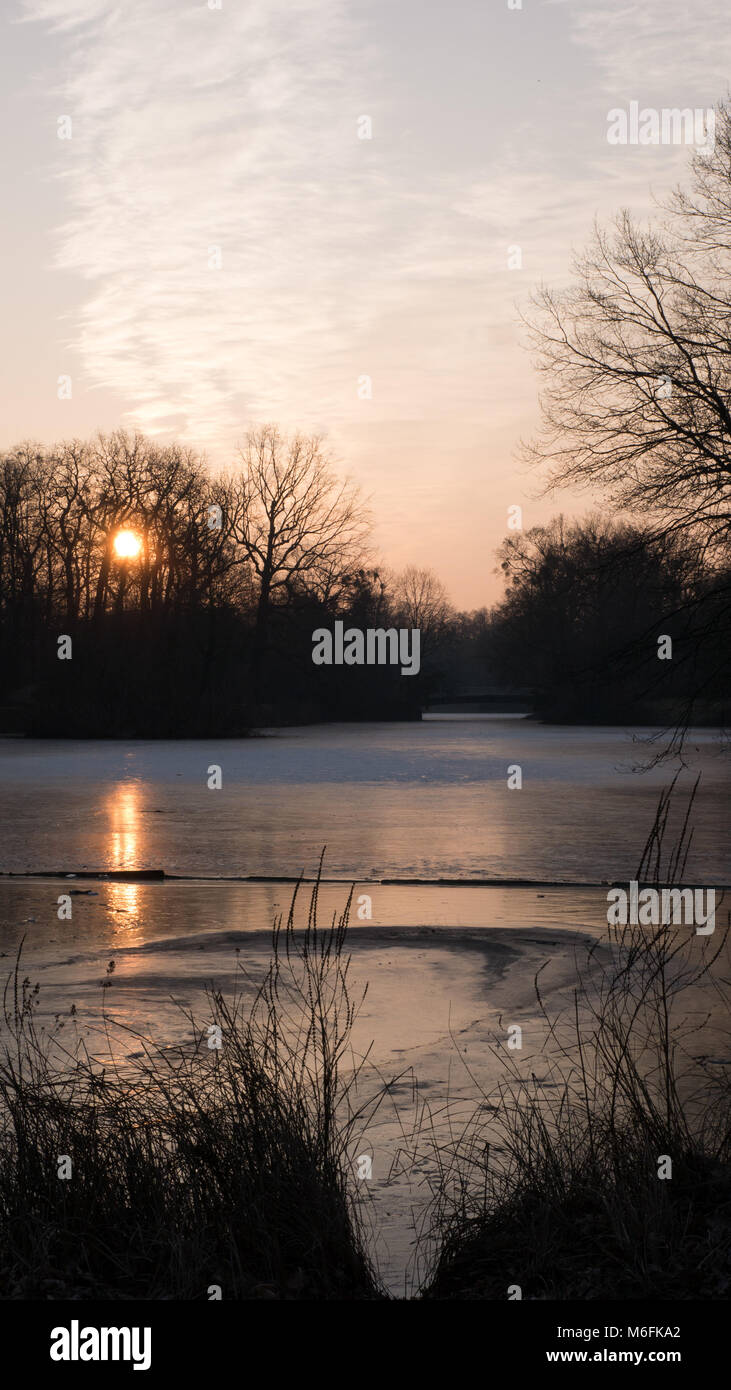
638, 360
298, 524
637, 356
420, 600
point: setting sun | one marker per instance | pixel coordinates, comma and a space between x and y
127, 545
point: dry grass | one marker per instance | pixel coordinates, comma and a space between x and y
191, 1167
558, 1191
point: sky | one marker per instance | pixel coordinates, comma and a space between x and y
230, 212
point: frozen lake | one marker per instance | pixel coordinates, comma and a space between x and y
446, 963
423, 800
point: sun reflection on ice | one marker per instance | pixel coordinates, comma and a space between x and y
123, 810
125, 897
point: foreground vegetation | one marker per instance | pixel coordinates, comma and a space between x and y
179, 1171
189, 1169
615, 1181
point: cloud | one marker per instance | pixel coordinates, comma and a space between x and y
230, 135
659, 50
217, 138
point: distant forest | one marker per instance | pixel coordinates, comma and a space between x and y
208, 629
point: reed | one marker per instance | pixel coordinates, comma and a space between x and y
191, 1167
557, 1190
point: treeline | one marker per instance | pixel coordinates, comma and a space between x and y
207, 629
607, 621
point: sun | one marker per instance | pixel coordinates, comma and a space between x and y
127, 545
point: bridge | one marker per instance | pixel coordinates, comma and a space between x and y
473, 703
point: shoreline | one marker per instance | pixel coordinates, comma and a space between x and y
162, 876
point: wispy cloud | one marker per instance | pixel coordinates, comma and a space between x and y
657, 50
202, 134
236, 129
